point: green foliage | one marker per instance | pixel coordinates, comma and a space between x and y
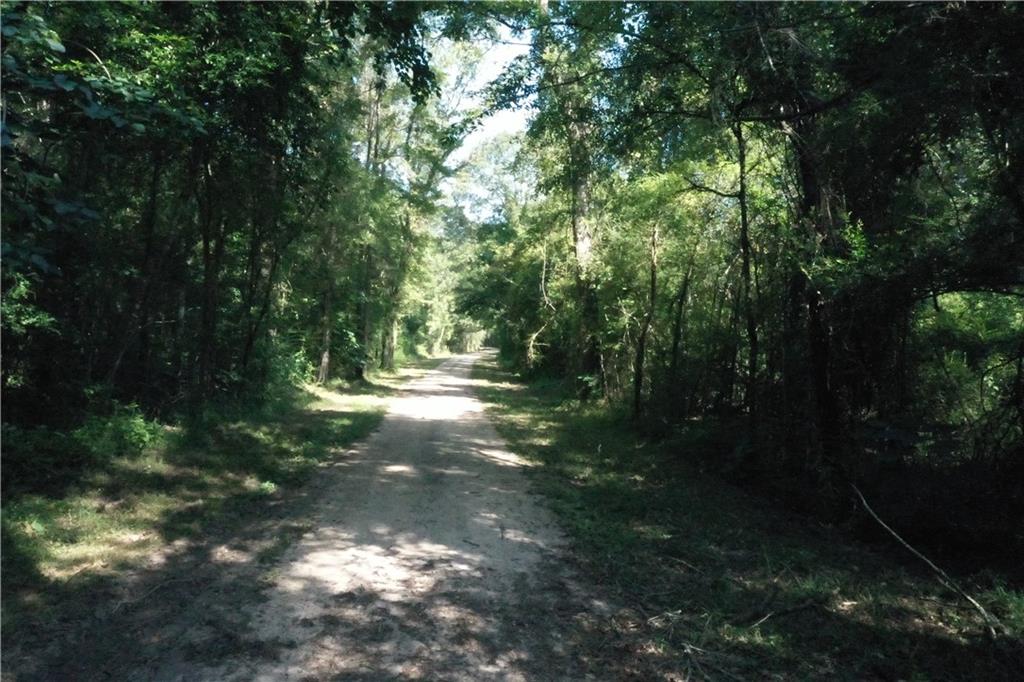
116, 508
705, 563
967, 346
37, 456
125, 432
194, 195
798, 225
21, 317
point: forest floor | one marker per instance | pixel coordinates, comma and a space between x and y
557, 546
418, 554
714, 582
96, 560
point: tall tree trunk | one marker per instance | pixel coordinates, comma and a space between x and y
678, 324
213, 253
825, 410
641, 344
323, 371
363, 315
180, 330
388, 341
136, 319
748, 299
591, 364
731, 353
255, 325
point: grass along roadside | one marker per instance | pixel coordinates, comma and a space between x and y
721, 584
124, 513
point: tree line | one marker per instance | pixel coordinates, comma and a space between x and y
790, 235
211, 199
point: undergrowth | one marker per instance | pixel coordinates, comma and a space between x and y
721, 585
99, 501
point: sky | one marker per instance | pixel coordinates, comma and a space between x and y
465, 190
496, 57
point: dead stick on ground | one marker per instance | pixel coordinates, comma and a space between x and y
991, 621
783, 612
684, 562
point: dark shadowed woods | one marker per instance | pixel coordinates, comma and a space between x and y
739, 256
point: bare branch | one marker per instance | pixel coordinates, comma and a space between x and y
995, 626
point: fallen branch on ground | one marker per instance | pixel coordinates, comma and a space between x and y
995, 626
782, 612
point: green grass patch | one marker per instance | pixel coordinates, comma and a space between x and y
143, 487
720, 584
385, 383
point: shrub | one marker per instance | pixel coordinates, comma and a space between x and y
125, 432
38, 457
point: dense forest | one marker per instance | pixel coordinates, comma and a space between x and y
788, 237
230, 194
794, 231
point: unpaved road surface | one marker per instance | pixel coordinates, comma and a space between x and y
426, 558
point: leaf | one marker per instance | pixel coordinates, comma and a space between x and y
41, 263
54, 45
65, 207
98, 111
65, 82
138, 127
41, 83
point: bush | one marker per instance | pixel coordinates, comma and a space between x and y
39, 457
124, 433
289, 368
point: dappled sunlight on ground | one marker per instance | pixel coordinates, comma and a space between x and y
721, 585
435, 407
111, 568
426, 557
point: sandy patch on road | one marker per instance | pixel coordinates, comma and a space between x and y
427, 558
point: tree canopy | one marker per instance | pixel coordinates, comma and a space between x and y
793, 230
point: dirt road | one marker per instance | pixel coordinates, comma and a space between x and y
427, 558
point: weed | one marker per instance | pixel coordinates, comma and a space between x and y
707, 567
137, 486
